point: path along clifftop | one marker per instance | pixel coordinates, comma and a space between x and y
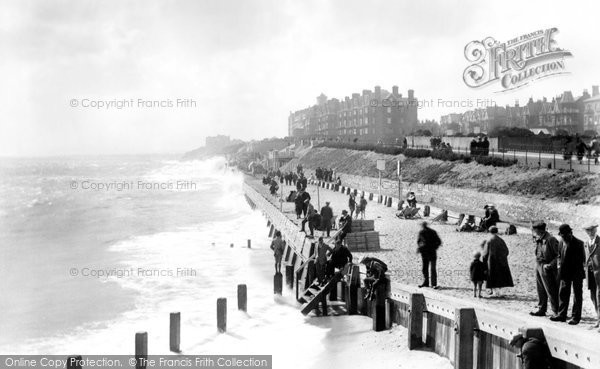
521, 194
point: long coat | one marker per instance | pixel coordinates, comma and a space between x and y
495, 256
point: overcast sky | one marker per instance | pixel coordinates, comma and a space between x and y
247, 64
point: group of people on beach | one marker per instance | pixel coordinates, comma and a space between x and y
357, 206
561, 266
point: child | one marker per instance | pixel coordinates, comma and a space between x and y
477, 273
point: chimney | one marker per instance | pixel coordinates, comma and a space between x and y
378, 92
595, 91
395, 90
517, 103
411, 94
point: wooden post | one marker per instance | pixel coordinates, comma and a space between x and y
175, 332
289, 275
416, 306
426, 211
74, 362
278, 284
389, 313
231, 245
324, 304
352, 291
334, 293
370, 196
341, 291
242, 297
268, 223
378, 310
141, 349
249, 244
389, 202
222, 314
464, 325
271, 231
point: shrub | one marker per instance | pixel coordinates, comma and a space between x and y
493, 161
449, 156
417, 153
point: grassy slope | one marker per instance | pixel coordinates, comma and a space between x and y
513, 180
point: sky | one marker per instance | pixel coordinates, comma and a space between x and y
239, 67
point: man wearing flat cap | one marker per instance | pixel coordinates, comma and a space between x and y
571, 273
592, 251
535, 353
546, 255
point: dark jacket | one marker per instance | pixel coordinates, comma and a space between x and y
495, 256
428, 241
326, 213
341, 256
477, 270
571, 260
546, 250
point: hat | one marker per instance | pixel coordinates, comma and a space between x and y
539, 225
516, 338
564, 229
493, 229
344, 212
589, 226
486, 206
327, 202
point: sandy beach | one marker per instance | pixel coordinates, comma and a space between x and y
398, 249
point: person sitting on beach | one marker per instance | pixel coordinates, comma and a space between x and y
411, 200
478, 272
491, 217
278, 245
469, 225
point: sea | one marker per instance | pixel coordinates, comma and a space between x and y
95, 249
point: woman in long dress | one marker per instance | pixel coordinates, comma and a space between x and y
495, 257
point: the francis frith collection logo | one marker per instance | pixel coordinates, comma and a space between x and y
516, 62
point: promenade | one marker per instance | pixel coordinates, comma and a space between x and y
398, 250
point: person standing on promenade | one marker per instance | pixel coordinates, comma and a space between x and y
278, 245
571, 273
428, 242
326, 217
299, 203
546, 254
351, 203
362, 207
321, 260
592, 251
495, 256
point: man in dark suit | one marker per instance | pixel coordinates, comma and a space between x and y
571, 272
326, 217
546, 255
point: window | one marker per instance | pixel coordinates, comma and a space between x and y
366, 120
389, 120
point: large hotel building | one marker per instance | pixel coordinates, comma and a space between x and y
373, 116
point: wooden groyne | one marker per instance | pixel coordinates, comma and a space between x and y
470, 334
